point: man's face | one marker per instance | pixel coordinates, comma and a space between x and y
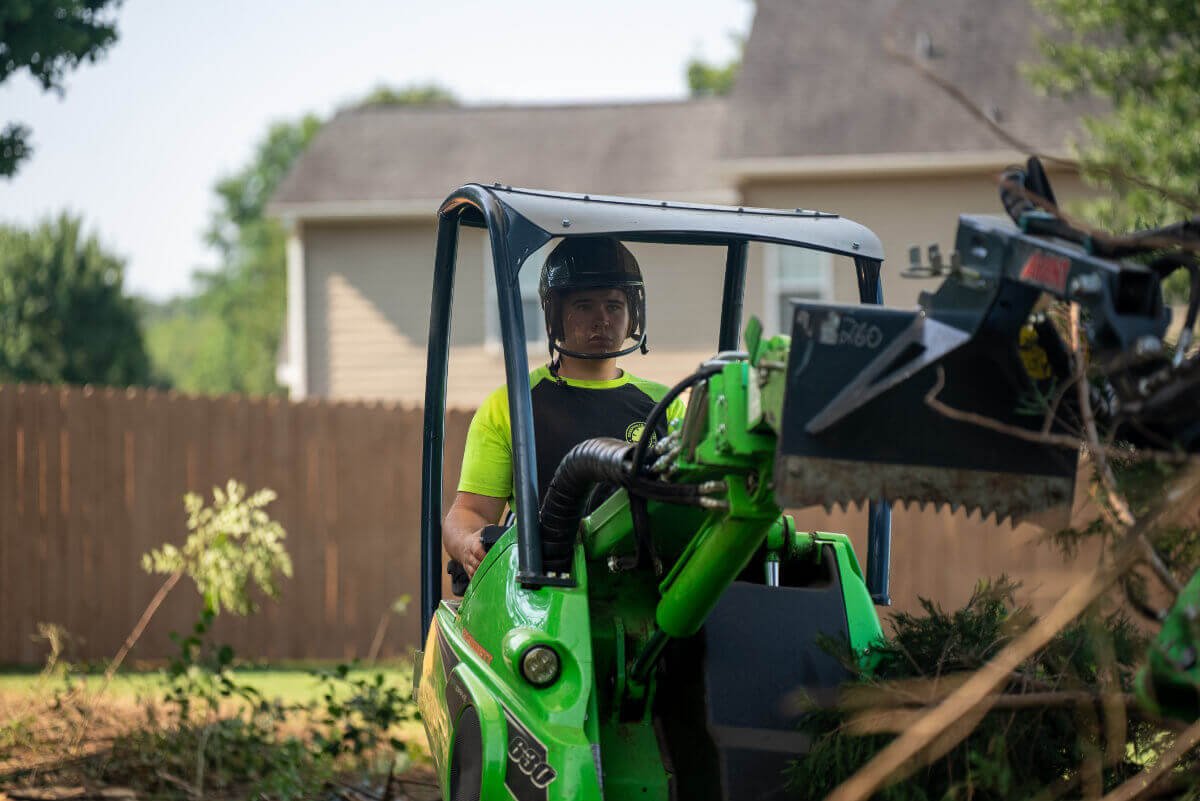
595, 320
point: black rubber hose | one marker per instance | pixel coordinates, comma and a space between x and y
1033, 180
1014, 203
601, 460
637, 506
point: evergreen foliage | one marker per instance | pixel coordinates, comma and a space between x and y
63, 315
1013, 752
1142, 483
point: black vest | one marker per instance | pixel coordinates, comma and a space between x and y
565, 415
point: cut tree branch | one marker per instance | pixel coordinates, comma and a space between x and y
970, 701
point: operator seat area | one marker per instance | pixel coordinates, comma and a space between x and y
756, 659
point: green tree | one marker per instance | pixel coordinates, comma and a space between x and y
1143, 58
48, 38
421, 95
709, 79
706, 79
63, 315
226, 336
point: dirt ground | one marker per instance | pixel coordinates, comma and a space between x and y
48, 742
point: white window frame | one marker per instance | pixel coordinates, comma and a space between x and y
775, 285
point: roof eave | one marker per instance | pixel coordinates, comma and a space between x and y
357, 210
874, 165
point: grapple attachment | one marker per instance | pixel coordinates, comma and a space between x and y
946, 404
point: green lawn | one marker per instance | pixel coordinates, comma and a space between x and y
291, 684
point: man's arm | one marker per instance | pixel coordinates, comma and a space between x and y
460, 530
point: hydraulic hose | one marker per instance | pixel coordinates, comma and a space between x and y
601, 460
637, 506
660, 408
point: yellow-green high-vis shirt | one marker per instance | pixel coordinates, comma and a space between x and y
566, 411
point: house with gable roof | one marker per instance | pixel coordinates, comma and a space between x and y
821, 117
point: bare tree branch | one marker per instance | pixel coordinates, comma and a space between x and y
1101, 465
959, 96
931, 400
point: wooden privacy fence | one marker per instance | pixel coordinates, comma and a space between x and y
92, 479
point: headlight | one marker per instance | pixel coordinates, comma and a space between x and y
540, 665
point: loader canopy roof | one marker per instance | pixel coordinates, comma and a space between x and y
633, 219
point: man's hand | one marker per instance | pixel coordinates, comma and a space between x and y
467, 549
460, 530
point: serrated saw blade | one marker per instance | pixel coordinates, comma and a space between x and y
803, 481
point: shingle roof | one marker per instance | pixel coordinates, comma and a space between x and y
816, 79
392, 154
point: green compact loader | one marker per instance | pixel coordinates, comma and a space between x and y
658, 646
661, 644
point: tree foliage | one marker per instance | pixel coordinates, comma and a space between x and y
226, 336
48, 38
234, 546
1143, 58
63, 315
706, 79
420, 95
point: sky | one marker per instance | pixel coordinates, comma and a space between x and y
140, 138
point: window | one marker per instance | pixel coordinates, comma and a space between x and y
531, 303
793, 273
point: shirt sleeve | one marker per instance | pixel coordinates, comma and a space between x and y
676, 410
487, 456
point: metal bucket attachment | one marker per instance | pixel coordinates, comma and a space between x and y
856, 424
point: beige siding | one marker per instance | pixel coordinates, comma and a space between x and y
368, 289
902, 212
368, 286
368, 312
683, 294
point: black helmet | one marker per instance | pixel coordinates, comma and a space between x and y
592, 262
